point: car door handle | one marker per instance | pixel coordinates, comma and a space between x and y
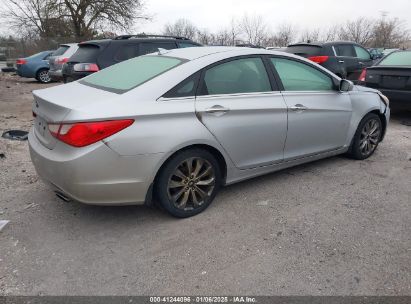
341, 61
217, 109
298, 107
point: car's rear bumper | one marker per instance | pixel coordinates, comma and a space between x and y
94, 174
397, 96
56, 75
75, 76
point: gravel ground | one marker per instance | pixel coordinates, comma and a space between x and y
332, 227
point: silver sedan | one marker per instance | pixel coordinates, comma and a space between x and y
175, 126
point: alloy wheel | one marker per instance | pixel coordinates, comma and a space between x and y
191, 183
44, 76
370, 136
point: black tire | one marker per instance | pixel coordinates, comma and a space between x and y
43, 76
167, 177
356, 150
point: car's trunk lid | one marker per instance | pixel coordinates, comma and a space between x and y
389, 77
52, 105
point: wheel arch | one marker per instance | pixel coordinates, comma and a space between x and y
214, 151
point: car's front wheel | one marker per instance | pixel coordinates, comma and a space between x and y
188, 182
367, 137
43, 76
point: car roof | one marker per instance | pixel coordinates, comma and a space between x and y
192, 53
320, 44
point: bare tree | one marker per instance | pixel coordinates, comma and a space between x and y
79, 18
285, 35
182, 27
310, 35
331, 34
360, 30
390, 33
254, 29
31, 16
234, 31
89, 16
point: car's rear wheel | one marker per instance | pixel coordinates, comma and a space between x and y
43, 76
367, 137
188, 182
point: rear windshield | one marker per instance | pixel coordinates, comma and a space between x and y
124, 76
397, 58
61, 50
86, 53
304, 50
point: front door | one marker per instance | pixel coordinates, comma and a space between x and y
318, 114
238, 106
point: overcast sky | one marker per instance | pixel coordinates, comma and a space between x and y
215, 14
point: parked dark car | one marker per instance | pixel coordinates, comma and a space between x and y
96, 55
345, 59
392, 76
35, 66
376, 53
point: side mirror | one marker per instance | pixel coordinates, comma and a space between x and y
346, 85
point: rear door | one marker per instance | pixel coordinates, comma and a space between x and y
364, 60
318, 115
244, 111
347, 57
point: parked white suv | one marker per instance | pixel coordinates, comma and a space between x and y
59, 58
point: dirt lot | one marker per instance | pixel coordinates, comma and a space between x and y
332, 227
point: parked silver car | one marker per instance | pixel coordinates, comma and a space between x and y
59, 58
178, 124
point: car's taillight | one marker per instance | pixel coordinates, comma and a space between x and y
61, 60
86, 67
363, 75
21, 61
319, 59
86, 133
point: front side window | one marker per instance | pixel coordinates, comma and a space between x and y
298, 76
362, 53
245, 75
345, 50
131, 73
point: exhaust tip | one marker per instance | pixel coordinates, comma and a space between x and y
62, 196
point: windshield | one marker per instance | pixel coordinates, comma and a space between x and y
131, 73
61, 50
397, 59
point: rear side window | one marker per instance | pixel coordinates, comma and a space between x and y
61, 50
125, 52
297, 76
305, 50
126, 75
345, 50
86, 53
362, 53
186, 88
397, 59
245, 75
151, 47
185, 44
